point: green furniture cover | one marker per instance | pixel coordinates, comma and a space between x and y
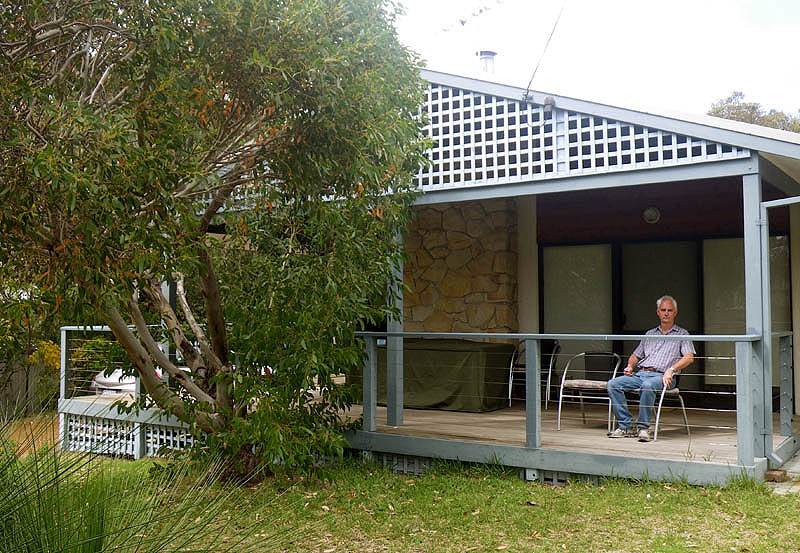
450, 374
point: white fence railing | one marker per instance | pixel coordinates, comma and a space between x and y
93, 388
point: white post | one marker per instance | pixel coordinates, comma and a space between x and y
394, 352
787, 399
370, 383
766, 329
533, 403
746, 357
754, 312
63, 434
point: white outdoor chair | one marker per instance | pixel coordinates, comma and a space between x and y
578, 388
517, 367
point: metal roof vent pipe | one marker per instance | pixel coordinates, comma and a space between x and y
486, 59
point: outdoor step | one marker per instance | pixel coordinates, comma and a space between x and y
776, 475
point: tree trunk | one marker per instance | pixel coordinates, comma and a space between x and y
247, 466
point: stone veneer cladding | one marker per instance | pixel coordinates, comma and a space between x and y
461, 270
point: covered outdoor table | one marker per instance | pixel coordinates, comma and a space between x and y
449, 374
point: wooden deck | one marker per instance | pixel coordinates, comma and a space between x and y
712, 438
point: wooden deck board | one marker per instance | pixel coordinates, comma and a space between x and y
713, 433
712, 439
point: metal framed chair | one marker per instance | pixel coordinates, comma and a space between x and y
550, 371
517, 367
671, 394
579, 388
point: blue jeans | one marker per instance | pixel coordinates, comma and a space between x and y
647, 383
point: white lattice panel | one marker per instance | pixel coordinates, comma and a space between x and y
158, 437
117, 437
483, 139
99, 435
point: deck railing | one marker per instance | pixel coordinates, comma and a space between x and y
89, 420
753, 418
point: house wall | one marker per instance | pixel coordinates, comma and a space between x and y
576, 297
724, 299
461, 271
528, 267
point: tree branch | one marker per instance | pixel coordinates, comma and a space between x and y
199, 335
184, 380
223, 193
64, 65
161, 394
216, 319
190, 354
85, 72
100, 83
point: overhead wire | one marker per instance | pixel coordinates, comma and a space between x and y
526, 96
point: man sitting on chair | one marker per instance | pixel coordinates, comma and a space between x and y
651, 367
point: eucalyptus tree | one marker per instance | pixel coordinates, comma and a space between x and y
735, 107
257, 153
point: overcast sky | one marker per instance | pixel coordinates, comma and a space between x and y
666, 55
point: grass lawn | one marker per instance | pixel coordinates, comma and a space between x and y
364, 508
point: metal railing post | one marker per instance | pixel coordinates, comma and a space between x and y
533, 405
755, 317
63, 393
66, 369
787, 391
746, 412
394, 350
370, 383
394, 380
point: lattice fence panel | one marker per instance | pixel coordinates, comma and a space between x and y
406, 464
160, 437
100, 435
483, 139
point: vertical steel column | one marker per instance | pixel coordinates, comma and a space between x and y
370, 383
533, 403
787, 391
766, 329
745, 406
66, 370
754, 310
394, 352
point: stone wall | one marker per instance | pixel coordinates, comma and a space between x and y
461, 269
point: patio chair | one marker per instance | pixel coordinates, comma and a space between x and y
671, 394
517, 367
579, 388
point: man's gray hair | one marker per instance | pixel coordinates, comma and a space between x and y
663, 298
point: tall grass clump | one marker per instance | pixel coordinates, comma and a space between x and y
57, 501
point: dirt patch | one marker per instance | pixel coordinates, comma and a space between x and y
32, 432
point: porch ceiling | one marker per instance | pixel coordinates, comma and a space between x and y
688, 209
790, 166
